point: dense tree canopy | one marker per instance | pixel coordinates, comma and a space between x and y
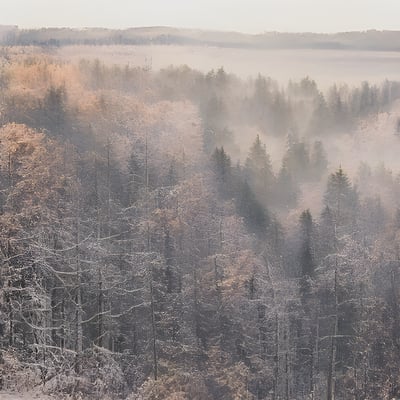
153, 245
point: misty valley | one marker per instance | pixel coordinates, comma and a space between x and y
175, 233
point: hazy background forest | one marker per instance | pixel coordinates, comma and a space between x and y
192, 215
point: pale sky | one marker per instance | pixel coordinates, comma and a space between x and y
252, 16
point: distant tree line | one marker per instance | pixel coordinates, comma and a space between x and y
371, 40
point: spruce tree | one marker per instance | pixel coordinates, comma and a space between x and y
258, 170
342, 199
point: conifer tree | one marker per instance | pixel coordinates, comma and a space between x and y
341, 198
258, 170
221, 164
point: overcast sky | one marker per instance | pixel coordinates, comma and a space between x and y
251, 16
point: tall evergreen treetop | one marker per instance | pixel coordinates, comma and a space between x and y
338, 189
258, 164
258, 171
341, 197
258, 159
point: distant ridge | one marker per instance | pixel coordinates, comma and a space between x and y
7, 31
366, 40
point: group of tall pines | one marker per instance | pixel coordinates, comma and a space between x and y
146, 253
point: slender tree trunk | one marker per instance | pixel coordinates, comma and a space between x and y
62, 327
287, 391
100, 309
53, 305
153, 331
11, 320
152, 308
331, 372
9, 299
315, 359
79, 331
10, 182
276, 359
312, 356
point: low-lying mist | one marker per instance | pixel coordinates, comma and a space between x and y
291, 99
324, 66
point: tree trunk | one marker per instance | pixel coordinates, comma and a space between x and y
276, 359
153, 331
100, 309
331, 373
79, 331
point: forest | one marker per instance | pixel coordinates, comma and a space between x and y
175, 234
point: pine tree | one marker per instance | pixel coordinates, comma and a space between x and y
320, 121
297, 160
258, 170
221, 164
341, 198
